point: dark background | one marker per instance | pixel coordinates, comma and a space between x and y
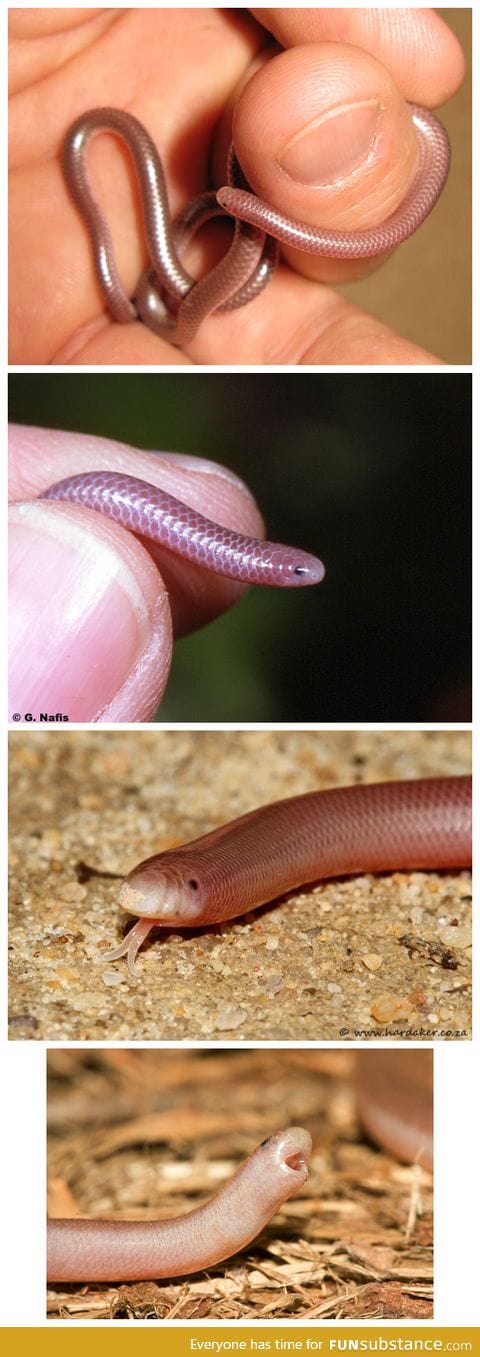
372, 472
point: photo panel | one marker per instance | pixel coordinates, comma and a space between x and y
244, 1186
240, 1049
127, 597
326, 137
193, 885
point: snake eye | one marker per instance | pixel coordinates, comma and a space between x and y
300, 570
193, 884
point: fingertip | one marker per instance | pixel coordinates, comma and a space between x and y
198, 595
344, 103
84, 608
418, 47
139, 695
339, 148
174, 595
40, 457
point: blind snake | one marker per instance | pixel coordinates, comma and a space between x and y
395, 1101
395, 1104
115, 1250
154, 513
167, 298
376, 827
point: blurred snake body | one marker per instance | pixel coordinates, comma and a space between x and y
395, 1101
377, 827
167, 298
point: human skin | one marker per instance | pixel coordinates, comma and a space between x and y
182, 86
94, 609
249, 263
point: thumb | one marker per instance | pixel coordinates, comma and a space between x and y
90, 623
338, 147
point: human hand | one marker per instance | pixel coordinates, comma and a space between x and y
94, 609
182, 81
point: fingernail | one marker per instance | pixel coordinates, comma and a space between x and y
333, 145
139, 696
204, 466
80, 620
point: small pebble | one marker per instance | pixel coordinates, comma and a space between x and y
112, 978
72, 891
417, 998
184, 968
228, 1018
404, 1008
388, 1006
65, 974
456, 937
272, 984
372, 961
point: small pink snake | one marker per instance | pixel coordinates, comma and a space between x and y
372, 827
120, 1250
167, 298
152, 512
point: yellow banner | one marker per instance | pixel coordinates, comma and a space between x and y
63, 1340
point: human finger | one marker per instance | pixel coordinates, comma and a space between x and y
339, 147
297, 321
96, 595
421, 52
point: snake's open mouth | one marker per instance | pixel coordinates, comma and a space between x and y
297, 1162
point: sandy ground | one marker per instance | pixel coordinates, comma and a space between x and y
323, 964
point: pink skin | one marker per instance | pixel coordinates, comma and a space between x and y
429, 181
375, 827
394, 1097
395, 1102
115, 1250
153, 513
93, 608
